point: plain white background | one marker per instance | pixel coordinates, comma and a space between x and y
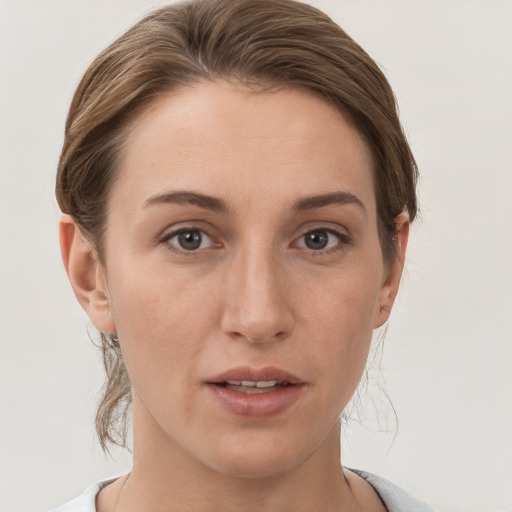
448, 352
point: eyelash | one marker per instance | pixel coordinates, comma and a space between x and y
166, 239
343, 241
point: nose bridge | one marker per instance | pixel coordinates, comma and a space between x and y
257, 304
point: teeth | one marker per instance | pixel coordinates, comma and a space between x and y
267, 384
254, 384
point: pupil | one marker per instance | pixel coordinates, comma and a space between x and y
190, 240
317, 239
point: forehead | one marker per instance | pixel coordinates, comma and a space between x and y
227, 140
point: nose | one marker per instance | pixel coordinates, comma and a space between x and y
257, 301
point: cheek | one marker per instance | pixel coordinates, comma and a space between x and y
340, 317
161, 321
345, 303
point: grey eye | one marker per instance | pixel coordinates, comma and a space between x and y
318, 239
189, 240
322, 238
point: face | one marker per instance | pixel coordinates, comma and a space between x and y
243, 274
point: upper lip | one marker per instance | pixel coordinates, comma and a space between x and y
265, 374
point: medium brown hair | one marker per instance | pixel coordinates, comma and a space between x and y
260, 43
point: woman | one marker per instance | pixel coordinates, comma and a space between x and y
237, 193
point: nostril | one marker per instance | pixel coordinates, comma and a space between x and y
260, 338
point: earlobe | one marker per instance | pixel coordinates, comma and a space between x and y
86, 274
391, 284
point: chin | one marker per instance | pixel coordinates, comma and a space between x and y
252, 458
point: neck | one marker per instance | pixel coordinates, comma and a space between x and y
166, 478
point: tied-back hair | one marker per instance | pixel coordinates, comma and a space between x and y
263, 44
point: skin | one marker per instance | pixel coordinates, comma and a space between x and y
252, 294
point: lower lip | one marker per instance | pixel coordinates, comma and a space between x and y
261, 405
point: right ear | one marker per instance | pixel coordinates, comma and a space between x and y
86, 274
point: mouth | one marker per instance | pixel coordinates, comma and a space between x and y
256, 393
251, 387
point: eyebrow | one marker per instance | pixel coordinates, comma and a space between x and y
329, 199
203, 201
216, 204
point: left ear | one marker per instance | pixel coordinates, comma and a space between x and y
389, 287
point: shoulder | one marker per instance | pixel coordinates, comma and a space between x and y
86, 502
394, 497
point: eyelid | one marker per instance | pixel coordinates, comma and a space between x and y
344, 240
185, 225
168, 235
